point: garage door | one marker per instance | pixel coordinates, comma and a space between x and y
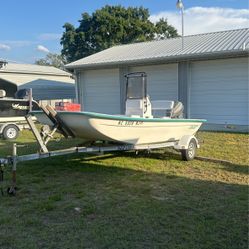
101, 91
161, 80
219, 91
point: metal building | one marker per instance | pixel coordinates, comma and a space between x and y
48, 83
209, 75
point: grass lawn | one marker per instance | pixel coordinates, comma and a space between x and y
120, 200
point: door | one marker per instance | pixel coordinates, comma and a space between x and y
101, 91
219, 91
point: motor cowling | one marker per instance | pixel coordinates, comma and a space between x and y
177, 110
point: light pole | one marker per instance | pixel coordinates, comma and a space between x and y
180, 6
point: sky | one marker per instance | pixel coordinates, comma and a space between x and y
29, 29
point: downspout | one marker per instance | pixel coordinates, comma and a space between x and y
75, 74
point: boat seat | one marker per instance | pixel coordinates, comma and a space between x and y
162, 104
167, 108
162, 108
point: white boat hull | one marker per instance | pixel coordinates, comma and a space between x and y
122, 129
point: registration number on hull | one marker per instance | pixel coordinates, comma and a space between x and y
129, 123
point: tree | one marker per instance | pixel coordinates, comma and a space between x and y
164, 30
54, 60
109, 26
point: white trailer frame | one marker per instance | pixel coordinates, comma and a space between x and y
14, 159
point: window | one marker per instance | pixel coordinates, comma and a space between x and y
135, 88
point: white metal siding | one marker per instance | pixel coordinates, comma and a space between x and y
219, 91
161, 81
101, 91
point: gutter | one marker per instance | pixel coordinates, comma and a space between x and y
35, 73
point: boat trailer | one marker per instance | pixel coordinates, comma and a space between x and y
187, 145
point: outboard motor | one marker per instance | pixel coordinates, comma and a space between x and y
177, 110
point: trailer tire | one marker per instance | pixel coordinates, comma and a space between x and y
190, 152
10, 132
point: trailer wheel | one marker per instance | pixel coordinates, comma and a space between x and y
10, 132
190, 152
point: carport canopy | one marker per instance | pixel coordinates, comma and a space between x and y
47, 90
42, 89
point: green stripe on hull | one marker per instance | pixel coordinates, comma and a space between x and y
125, 118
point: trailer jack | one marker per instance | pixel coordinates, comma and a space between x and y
1, 178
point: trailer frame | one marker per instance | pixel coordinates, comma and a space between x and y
14, 159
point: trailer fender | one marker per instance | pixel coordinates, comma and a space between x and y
184, 142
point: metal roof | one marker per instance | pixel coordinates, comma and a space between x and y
32, 69
222, 43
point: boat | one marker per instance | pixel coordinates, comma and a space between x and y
13, 112
129, 130
15, 109
141, 123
